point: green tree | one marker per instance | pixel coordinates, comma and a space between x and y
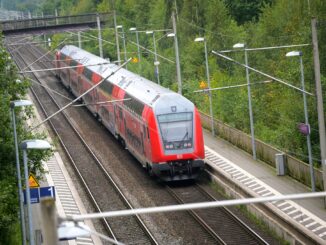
244, 11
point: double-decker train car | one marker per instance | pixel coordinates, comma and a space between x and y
159, 127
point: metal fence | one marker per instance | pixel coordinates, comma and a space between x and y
294, 167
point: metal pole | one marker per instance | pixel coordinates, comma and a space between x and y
155, 60
49, 218
320, 107
56, 15
99, 35
116, 38
28, 200
79, 40
20, 189
177, 60
250, 110
124, 46
209, 92
312, 174
138, 50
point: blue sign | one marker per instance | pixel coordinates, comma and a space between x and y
35, 197
41, 192
47, 191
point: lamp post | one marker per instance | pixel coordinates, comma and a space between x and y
134, 29
312, 175
202, 39
13, 104
124, 43
156, 62
251, 118
25, 145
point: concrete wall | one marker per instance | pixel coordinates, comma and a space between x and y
294, 167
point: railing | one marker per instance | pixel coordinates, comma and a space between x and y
294, 167
52, 21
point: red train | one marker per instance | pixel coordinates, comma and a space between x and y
159, 127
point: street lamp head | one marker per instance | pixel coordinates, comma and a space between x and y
69, 230
149, 32
18, 103
239, 45
170, 34
119, 27
293, 53
133, 29
199, 39
35, 144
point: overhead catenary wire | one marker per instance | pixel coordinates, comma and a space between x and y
231, 86
62, 68
51, 50
80, 96
262, 73
102, 102
47, 88
265, 48
92, 37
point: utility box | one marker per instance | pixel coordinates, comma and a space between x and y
280, 164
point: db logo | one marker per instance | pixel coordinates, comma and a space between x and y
179, 156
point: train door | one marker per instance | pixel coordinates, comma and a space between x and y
118, 119
146, 142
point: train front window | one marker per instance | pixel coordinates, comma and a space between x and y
176, 130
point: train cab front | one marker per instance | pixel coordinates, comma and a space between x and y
182, 145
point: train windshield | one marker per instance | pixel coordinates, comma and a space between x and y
176, 130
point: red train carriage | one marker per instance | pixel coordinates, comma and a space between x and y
159, 127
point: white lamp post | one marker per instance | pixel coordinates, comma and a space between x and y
202, 39
312, 175
25, 145
13, 104
251, 118
134, 29
156, 62
124, 43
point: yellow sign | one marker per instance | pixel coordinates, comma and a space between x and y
33, 182
202, 85
134, 60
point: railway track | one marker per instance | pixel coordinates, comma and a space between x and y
128, 230
206, 228
223, 225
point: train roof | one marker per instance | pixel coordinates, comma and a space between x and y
139, 87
